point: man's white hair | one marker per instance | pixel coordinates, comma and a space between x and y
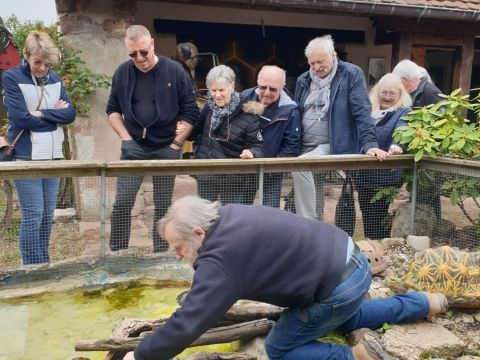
135, 32
407, 69
324, 43
282, 74
189, 213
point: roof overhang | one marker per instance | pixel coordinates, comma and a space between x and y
453, 10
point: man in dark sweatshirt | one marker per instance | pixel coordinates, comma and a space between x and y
260, 253
150, 95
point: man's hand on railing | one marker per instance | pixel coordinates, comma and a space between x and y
379, 153
246, 154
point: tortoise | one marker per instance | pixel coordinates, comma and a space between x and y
447, 270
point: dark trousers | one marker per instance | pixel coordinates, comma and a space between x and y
272, 189
228, 188
374, 215
127, 188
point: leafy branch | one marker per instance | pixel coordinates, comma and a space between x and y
442, 129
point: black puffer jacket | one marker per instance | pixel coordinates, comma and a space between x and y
241, 131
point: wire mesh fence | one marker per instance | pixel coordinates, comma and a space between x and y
74, 210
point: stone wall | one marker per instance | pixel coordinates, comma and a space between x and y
97, 29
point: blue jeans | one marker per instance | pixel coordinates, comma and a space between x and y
272, 189
127, 188
37, 198
228, 188
295, 333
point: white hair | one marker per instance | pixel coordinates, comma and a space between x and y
407, 69
324, 43
425, 74
282, 74
189, 213
135, 32
220, 72
390, 79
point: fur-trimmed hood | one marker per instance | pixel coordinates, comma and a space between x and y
253, 107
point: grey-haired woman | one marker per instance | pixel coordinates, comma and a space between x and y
229, 128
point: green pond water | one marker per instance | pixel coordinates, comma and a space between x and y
46, 327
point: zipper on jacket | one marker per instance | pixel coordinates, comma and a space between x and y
53, 145
144, 133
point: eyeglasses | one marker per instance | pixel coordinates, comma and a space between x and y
217, 137
142, 53
389, 94
37, 63
269, 88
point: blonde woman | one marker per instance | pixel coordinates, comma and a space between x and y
390, 102
37, 106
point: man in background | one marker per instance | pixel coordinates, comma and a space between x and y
423, 92
280, 125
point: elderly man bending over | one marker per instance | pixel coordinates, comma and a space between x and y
279, 258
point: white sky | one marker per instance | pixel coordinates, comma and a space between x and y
44, 10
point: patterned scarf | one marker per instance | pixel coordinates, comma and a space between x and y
220, 114
319, 97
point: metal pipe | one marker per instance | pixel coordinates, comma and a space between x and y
260, 184
414, 199
103, 206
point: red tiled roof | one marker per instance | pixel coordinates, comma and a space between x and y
439, 9
443, 4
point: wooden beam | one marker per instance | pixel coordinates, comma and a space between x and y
439, 40
402, 48
462, 69
431, 26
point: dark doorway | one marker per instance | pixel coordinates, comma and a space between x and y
439, 64
246, 48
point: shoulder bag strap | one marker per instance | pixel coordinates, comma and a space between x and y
42, 95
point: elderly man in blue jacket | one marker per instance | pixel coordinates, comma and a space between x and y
280, 125
333, 102
150, 95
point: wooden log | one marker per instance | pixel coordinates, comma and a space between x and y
240, 312
218, 335
203, 355
249, 311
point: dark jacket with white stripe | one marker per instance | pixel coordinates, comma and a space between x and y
21, 94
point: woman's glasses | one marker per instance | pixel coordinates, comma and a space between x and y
142, 53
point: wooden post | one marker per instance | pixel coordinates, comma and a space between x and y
462, 69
